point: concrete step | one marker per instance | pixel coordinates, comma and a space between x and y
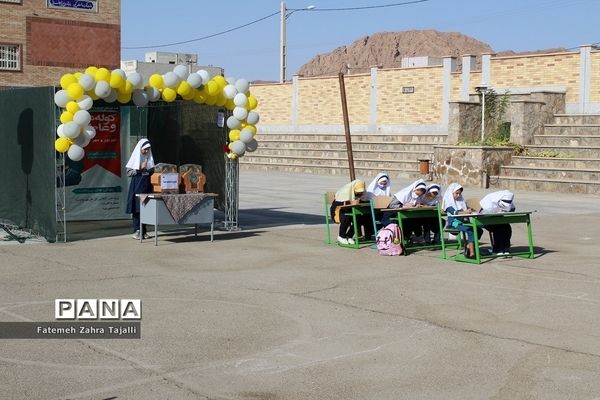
572, 129
336, 145
326, 154
335, 162
544, 185
571, 141
551, 174
565, 151
556, 162
376, 138
577, 118
361, 172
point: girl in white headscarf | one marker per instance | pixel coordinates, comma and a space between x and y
431, 198
409, 197
380, 186
139, 167
454, 204
500, 235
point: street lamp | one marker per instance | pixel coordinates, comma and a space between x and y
282, 46
482, 89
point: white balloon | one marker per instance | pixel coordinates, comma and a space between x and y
61, 98
242, 85
102, 89
75, 152
229, 91
182, 71
90, 131
251, 146
112, 96
233, 122
139, 97
246, 135
240, 113
85, 103
152, 93
238, 147
171, 80
252, 118
59, 130
82, 140
194, 80
205, 76
71, 130
120, 72
240, 100
137, 81
87, 81
230, 80
82, 118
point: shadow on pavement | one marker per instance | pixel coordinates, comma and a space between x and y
251, 218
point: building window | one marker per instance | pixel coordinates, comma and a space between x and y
10, 57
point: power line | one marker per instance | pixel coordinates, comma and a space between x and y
203, 37
269, 16
362, 8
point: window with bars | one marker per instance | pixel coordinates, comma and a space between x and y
10, 57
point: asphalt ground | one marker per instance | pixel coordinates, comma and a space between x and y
272, 312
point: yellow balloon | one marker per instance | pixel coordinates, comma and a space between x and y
66, 80
199, 97
72, 107
190, 95
156, 81
75, 91
211, 100
220, 100
127, 88
78, 75
212, 88
93, 95
251, 127
66, 117
219, 80
91, 70
184, 88
234, 135
123, 98
62, 144
102, 74
168, 95
229, 104
234, 156
116, 80
252, 102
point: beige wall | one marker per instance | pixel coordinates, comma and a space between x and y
424, 106
319, 99
539, 70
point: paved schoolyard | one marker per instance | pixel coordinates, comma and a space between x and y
271, 312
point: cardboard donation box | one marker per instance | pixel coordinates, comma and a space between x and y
192, 178
165, 178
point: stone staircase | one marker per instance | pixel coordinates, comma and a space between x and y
325, 154
568, 161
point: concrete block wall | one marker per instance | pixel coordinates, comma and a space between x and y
56, 41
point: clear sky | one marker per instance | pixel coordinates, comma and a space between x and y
252, 52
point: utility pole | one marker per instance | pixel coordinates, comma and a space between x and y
282, 48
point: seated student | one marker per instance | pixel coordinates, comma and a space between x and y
351, 193
431, 198
496, 202
380, 186
454, 204
409, 197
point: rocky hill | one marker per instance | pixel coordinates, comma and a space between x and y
387, 49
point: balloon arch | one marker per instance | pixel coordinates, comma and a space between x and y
80, 89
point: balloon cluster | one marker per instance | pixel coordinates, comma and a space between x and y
79, 90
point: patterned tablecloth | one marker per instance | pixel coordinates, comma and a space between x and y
179, 204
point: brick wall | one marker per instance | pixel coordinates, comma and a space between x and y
274, 103
538, 70
57, 41
424, 106
455, 86
595, 90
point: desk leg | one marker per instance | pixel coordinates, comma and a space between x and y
404, 240
356, 228
156, 226
476, 244
140, 227
212, 230
530, 237
196, 231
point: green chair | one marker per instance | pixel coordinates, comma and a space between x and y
353, 212
445, 230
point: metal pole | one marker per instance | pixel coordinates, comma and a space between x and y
347, 127
482, 115
282, 49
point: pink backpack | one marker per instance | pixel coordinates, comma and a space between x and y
389, 241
